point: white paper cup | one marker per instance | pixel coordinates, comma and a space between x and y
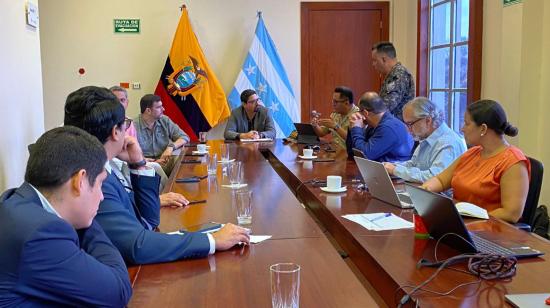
334, 182
201, 148
308, 152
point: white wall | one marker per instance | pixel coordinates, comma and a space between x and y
21, 89
80, 34
516, 72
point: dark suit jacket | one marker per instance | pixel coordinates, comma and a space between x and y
120, 214
388, 142
45, 262
238, 123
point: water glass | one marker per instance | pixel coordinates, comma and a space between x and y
212, 163
224, 149
285, 285
235, 173
243, 200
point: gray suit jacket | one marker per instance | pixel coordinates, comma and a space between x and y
238, 123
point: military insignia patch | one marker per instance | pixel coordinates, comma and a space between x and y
187, 79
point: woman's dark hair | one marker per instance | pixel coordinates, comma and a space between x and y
490, 113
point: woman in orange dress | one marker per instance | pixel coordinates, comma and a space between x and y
492, 174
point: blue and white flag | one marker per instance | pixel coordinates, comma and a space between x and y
263, 71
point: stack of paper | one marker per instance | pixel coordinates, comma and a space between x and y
471, 210
380, 221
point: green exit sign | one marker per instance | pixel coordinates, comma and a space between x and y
510, 2
126, 25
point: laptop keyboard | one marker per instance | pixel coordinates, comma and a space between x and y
486, 246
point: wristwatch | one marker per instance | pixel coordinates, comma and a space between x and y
336, 127
138, 164
171, 145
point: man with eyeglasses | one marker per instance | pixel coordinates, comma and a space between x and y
398, 86
129, 214
338, 123
250, 120
157, 134
439, 145
377, 133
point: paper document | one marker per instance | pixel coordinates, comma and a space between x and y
471, 210
257, 140
255, 239
380, 221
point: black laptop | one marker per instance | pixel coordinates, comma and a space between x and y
441, 217
306, 134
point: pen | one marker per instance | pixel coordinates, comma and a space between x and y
380, 217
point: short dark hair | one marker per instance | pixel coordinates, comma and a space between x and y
95, 110
345, 92
386, 48
371, 102
246, 94
147, 101
60, 153
492, 114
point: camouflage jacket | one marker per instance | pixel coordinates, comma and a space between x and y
397, 90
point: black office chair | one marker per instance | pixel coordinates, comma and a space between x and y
532, 201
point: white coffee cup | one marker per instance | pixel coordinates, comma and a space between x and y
334, 182
308, 152
201, 148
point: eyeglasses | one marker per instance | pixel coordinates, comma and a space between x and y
254, 101
127, 123
336, 101
410, 124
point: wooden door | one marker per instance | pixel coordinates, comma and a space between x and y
337, 38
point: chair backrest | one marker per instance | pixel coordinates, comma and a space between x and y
535, 184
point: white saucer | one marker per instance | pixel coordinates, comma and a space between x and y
307, 157
226, 161
338, 190
198, 152
235, 186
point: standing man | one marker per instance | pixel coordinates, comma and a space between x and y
130, 212
158, 136
338, 123
377, 133
398, 87
52, 252
439, 145
250, 120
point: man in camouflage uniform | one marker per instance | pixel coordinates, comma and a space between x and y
398, 87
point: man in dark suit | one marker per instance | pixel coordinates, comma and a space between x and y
130, 212
250, 120
52, 252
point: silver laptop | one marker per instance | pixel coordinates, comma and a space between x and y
380, 185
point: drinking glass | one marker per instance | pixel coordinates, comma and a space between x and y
235, 173
285, 285
224, 149
243, 200
212, 163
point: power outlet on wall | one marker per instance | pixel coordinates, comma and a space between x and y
136, 85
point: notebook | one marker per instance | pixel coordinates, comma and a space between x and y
441, 217
380, 184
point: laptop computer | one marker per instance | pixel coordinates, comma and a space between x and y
306, 134
379, 183
441, 217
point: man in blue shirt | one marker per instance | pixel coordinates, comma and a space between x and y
439, 145
52, 252
130, 212
377, 133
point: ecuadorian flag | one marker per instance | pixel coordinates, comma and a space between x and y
190, 92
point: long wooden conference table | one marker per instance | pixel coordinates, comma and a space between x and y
301, 219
